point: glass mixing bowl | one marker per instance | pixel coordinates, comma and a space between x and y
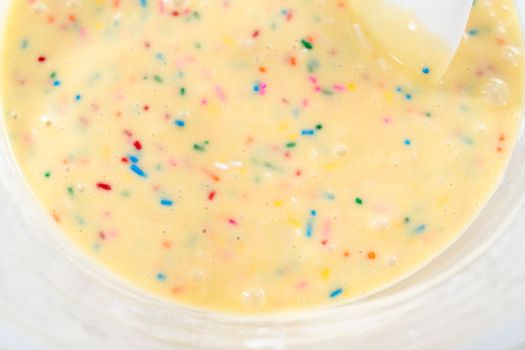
56, 295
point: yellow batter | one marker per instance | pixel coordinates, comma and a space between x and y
255, 156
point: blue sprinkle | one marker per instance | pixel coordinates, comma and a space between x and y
138, 170
408, 96
473, 32
180, 123
24, 44
56, 83
78, 98
399, 89
425, 70
160, 56
420, 229
313, 213
133, 159
408, 142
309, 228
161, 277
256, 87
308, 132
144, 3
336, 293
166, 202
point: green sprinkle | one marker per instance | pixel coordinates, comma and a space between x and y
319, 126
306, 44
328, 92
53, 75
71, 191
47, 174
358, 201
266, 164
291, 145
312, 66
407, 220
182, 91
158, 79
201, 147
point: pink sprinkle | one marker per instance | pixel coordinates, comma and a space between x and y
387, 120
327, 232
339, 87
301, 285
232, 222
220, 93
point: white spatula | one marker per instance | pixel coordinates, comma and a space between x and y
421, 35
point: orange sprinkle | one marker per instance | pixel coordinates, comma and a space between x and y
167, 244
177, 290
262, 69
213, 176
346, 253
293, 61
56, 217
371, 255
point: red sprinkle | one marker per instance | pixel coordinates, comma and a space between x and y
211, 195
104, 186
41, 59
137, 145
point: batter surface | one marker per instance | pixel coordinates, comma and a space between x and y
255, 156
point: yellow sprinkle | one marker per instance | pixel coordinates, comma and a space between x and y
325, 274
330, 166
283, 126
228, 41
278, 203
294, 222
351, 87
443, 200
105, 153
389, 96
213, 108
292, 137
